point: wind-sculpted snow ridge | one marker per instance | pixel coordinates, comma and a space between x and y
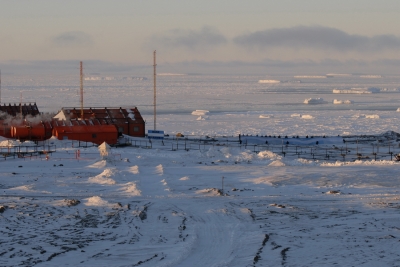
160, 170
266, 154
99, 164
134, 169
235, 155
9, 143
131, 188
104, 177
210, 192
277, 163
97, 201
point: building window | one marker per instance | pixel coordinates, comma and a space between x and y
94, 135
136, 129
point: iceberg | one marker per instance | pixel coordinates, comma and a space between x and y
338, 102
370, 90
269, 81
314, 101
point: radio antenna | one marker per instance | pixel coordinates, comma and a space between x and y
155, 111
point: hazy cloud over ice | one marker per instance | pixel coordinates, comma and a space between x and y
73, 38
317, 37
191, 39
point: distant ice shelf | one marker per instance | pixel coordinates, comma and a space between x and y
310, 76
371, 90
371, 76
331, 75
112, 78
170, 74
200, 112
338, 102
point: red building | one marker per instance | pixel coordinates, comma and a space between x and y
128, 121
98, 125
86, 131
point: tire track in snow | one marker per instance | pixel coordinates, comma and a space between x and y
222, 237
153, 182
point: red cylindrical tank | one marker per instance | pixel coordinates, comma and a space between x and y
36, 132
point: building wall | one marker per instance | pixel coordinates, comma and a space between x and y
131, 128
96, 133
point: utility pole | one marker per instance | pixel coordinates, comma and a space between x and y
81, 72
154, 102
20, 103
0, 86
222, 185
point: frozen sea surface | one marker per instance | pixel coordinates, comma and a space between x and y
236, 104
165, 207
182, 94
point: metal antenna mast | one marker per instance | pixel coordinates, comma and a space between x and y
0, 86
81, 65
154, 65
20, 103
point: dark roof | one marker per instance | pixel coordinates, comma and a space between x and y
15, 109
110, 115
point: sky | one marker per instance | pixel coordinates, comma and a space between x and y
206, 36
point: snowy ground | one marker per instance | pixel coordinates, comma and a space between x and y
164, 206
158, 207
